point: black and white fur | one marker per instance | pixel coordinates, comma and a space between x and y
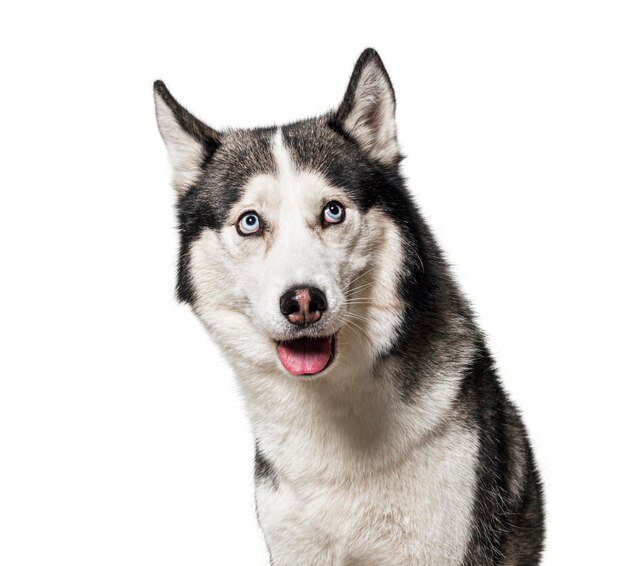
405, 449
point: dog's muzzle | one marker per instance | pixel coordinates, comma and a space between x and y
303, 306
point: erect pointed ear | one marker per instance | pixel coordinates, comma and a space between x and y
189, 141
367, 113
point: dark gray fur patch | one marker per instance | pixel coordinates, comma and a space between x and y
264, 471
508, 522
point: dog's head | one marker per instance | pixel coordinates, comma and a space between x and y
294, 240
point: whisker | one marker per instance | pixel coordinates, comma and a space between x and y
354, 325
365, 284
359, 277
359, 288
358, 317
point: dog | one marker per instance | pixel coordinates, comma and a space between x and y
383, 434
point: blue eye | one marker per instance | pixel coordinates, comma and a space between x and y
249, 223
334, 213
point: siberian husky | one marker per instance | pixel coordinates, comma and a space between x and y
383, 435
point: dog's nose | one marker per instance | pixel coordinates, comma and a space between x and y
303, 305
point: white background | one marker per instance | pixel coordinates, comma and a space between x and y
122, 436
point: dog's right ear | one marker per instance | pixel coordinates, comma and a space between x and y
189, 142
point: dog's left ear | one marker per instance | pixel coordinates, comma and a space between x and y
189, 142
367, 113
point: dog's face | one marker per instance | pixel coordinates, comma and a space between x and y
290, 251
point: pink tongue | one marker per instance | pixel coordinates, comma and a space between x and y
307, 355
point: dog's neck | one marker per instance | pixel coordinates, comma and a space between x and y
350, 422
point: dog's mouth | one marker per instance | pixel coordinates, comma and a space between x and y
307, 356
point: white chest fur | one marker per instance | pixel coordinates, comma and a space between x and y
415, 512
363, 477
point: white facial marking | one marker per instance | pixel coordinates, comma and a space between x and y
281, 156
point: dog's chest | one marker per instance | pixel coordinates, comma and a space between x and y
417, 512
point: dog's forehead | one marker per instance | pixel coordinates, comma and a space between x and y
242, 155
289, 186
311, 145
250, 160
321, 156
294, 191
